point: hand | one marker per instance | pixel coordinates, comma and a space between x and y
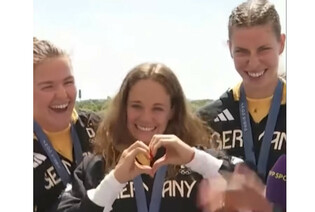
245, 176
176, 151
127, 168
243, 191
210, 193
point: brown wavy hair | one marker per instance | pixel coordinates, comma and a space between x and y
113, 136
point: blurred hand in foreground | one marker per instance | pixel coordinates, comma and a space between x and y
241, 191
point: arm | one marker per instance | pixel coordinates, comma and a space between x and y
82, 195
91, 191
211, 163
205, 164
179, 153
106, 192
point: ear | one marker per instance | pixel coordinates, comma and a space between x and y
229, 43
282, 43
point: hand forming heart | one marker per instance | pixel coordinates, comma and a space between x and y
177, 152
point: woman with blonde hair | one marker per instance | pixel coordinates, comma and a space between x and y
61, 134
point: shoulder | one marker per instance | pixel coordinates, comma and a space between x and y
92, 159
86, 124
209, 111
92, 165
87, 118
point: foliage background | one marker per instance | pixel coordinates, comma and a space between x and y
100, 105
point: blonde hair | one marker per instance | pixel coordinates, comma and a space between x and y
43, 49
255, 13
113, 136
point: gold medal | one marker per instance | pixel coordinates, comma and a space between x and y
142, 159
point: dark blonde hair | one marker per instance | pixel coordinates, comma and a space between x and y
255, 13
44, 49
113, 136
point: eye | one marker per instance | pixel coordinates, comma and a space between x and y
240, 52
136, 106
158, 109
264, 49
69, 82
47, 87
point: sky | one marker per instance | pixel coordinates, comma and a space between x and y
107, 38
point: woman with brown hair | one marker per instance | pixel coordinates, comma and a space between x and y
144, 154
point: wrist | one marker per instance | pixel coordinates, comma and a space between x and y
204, 164
192, 155
118, 177
106, 192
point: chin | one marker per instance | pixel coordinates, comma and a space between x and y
147, 142
144, 139
62, 123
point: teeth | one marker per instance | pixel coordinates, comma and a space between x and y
147, 129
253, 74
63, 106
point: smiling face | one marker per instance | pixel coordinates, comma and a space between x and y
148, 110
255, 51
54, 93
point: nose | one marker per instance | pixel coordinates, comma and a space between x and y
61, 92
253, 62
146, 115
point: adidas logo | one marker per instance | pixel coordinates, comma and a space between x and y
236, 160
38, 159
224, 116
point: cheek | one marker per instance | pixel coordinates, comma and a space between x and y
41, 100
131, 117
240, 65
72, 92
239, 62
41, 103
272, 60
163, 120
269, 60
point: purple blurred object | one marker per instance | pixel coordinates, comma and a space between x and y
276, 183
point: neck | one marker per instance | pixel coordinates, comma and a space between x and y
260, 92
49, 128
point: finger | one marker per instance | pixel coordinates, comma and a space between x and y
143, 169
137, 144
215, 201
138, 150
237, 181
155, 139
162, 142
140, 167
203, 193
158, 163
251, 178
244, 199
241, 168
163, 135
